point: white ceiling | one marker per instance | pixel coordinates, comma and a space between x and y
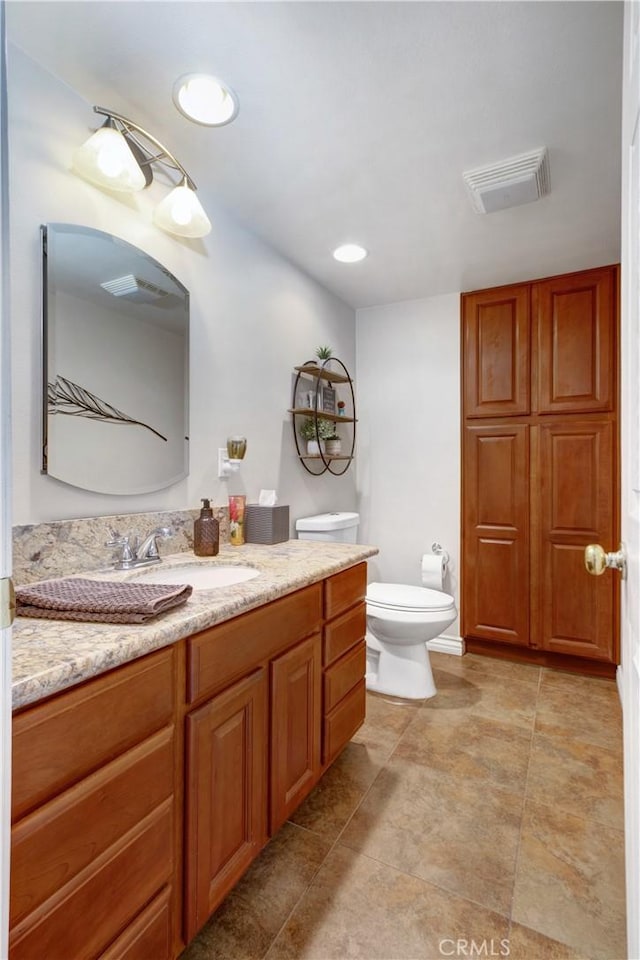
357, 120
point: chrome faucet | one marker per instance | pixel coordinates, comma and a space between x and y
148, 549
133, 555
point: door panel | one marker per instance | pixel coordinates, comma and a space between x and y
576, 507
629, 672
496, 341
5, 499
576, 341
226, 794
496, 555
296, 690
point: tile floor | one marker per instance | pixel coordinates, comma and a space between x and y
486, 822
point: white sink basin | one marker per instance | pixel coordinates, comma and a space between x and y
200, 576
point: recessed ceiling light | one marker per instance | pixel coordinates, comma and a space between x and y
205, 99
350, 253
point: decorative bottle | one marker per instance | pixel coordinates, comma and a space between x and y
236, 519
206, 534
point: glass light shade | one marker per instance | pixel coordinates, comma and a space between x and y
181, 213
106, 160
205, 99
349, 253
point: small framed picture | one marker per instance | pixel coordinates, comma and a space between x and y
328, 400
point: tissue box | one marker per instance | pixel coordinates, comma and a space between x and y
266, 524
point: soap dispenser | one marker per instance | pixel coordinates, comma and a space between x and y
206, 537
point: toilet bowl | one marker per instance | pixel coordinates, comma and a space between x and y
400, 620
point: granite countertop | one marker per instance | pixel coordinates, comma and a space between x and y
51, 655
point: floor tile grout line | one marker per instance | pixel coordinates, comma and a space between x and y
447, 890
328, 853
523, 794
554, 736
432, 883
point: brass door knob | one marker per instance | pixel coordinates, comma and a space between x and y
597, 560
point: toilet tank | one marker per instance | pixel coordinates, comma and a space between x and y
342, 527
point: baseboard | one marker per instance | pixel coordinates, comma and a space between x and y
452, 645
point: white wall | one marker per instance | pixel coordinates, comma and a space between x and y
408, 391
253, 317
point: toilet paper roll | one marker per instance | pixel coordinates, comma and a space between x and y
433, 570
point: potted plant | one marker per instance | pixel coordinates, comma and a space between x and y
333, 444
309, 433
322, 354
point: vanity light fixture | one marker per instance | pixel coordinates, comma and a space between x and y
231, 456
350, 253
205, 99
120, 155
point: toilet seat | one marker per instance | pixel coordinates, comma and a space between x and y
407, 599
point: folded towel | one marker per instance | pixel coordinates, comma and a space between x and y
103, 601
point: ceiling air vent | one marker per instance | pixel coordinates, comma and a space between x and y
510, 182
133, 288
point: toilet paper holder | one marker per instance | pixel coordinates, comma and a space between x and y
439, 550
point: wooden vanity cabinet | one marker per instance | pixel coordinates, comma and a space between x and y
344, 659
540, 474
94, 816
141, 797
253, 746
278, 692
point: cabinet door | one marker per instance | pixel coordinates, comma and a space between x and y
574, 611
496, 538
296, 679
225, 794
576, 318
495, 335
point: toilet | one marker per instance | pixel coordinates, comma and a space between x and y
401, 619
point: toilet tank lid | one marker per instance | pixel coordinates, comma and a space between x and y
328, 521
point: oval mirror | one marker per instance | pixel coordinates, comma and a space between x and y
116, 364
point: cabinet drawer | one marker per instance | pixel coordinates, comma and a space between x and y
149, 937
343, 721
343, 633
52, 845
233, 649
61, 741
102, 901
344, 589
343, 675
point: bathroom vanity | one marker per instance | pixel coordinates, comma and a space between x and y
142, 794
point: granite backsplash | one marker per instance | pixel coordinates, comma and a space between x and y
62, 547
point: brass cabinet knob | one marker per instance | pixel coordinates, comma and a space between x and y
597, 560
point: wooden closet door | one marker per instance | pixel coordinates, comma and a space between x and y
574, 611
496, 525
576, 318
495, 333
